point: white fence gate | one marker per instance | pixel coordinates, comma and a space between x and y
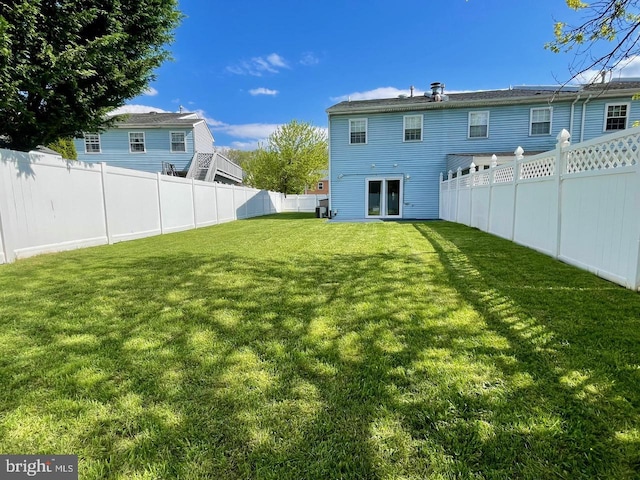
579, 203
50, 205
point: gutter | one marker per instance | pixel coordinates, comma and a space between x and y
584, 113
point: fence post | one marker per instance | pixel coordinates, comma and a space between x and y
561, 161
160, 202
458, 175
105, 208
193, 202
450, 213
472, 171
519, 155
492, 167
440, 206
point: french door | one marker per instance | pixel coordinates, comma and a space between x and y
384, 197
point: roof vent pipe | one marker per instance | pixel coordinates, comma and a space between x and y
412, 88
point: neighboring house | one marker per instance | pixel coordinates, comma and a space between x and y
386, 156
319, 188
172, 143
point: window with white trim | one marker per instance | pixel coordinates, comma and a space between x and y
615, 116
178, 142
92, 143
320, 185
413, 128
136, 142
540, 121
478, 124
358, 131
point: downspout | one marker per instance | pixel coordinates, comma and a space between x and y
572, 114
584, 113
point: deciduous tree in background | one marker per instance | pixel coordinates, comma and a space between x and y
614, 21
295, 155
65, 63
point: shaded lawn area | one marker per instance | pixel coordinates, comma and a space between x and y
299, 349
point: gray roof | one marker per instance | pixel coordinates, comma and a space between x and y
157, 120
488, 97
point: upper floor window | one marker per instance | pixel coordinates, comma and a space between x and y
178, 143
540, 121
412, 128
92, 143
358, 131
478, 124
136, 142
615, 116
320, 185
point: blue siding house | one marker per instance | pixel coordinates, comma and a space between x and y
173, 143
386, 155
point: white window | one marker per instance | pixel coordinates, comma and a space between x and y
320, 185
358, 131
478, 124
412, 128
91, 143
540, 121
136, 142
615, 116
178, 142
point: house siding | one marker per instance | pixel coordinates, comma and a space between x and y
445, 131
114, 145
204, 139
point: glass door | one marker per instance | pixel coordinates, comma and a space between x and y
384, 197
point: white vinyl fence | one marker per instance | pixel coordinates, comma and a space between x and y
579, 203
50, 205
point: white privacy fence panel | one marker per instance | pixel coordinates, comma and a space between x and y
49, 205
132, 204
39, 217
302, 203
579, 203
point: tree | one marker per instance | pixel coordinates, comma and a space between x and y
65, 63
295, 156
613, 21
65, 147
240, 157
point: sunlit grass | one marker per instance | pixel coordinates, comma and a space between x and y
288, 347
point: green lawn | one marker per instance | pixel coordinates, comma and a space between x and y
286, 347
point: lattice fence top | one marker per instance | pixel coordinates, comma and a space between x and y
465, 181
539, 168
481, 179
503, 174
621, 152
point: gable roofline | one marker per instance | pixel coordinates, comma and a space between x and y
489, 98
158, 120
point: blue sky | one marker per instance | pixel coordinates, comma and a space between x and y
248, 66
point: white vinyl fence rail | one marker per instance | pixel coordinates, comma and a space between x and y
579, 203
50, 205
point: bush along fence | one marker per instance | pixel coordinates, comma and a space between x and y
50, 205
579, 203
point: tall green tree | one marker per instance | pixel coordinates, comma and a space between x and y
606, 36
65, 63
65, 147
294, 156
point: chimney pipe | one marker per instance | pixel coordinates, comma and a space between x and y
411, 88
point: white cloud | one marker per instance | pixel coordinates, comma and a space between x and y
277, 60
258, 66
387, 92
263, 91
253, 131
212, 122
625, 69
150, 92
136, 109
308, 59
